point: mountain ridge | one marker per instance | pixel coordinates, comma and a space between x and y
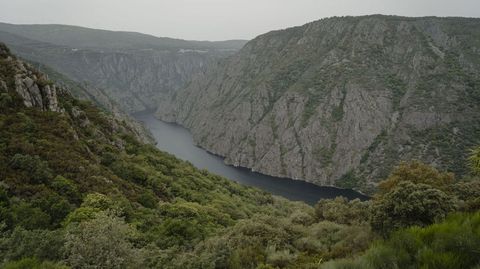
83, 37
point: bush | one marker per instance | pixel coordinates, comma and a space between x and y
29, 217
67, 188
32, 263
468, 193
102, 242
452, 244
42, 244
410, 204
341, 210
417, 172
33, 166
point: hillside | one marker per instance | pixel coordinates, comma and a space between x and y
135, 70
78, 190
341, 101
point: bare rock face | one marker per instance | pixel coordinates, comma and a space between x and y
35, 95
35, 90
340, 101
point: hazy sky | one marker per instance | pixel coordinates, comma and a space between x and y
215, 19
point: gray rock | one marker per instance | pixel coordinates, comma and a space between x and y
340, 101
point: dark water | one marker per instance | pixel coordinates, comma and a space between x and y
178, 141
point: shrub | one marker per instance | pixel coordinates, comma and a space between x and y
33, 166
29, 217
341, 210
409, 204
102, 242
451, 244
42, 244
33, 263
417, 172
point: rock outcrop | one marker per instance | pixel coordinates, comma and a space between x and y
340, 101
35, 90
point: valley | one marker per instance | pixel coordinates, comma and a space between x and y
178, 141
343, 143
341, 101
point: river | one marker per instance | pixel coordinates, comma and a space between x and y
178, 141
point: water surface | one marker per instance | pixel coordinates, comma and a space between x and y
178, 141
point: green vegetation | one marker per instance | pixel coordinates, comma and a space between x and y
475, 160
77, 190
349, 180
398, 88
451, 244
324, 155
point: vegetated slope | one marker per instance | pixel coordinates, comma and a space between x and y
340, 101
133, 69
77, 190
64, 160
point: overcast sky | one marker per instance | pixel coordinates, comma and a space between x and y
215, 19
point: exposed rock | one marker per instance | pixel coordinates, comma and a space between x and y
340, 101
37, 91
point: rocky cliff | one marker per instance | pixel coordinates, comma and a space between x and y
36, 90
340, 101
135, 70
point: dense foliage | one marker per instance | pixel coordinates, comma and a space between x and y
453, 243
78, 191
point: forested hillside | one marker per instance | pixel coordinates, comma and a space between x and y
78, 190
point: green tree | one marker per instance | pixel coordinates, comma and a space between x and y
341, 210
42, 244
417, 172
102, 242
33, 166
409, 204
30, 217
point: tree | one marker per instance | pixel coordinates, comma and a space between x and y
417, 172
42, 244
468, 194
102, 242
30, 217
33, 166
410, 204
341, 210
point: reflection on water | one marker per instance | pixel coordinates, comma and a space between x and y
178, 141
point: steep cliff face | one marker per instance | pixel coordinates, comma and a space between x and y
340, 101
136, 71
35, 90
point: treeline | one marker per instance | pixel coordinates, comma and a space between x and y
78, 191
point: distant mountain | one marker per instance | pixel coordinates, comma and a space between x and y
81, 37
340, 101
135, 70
